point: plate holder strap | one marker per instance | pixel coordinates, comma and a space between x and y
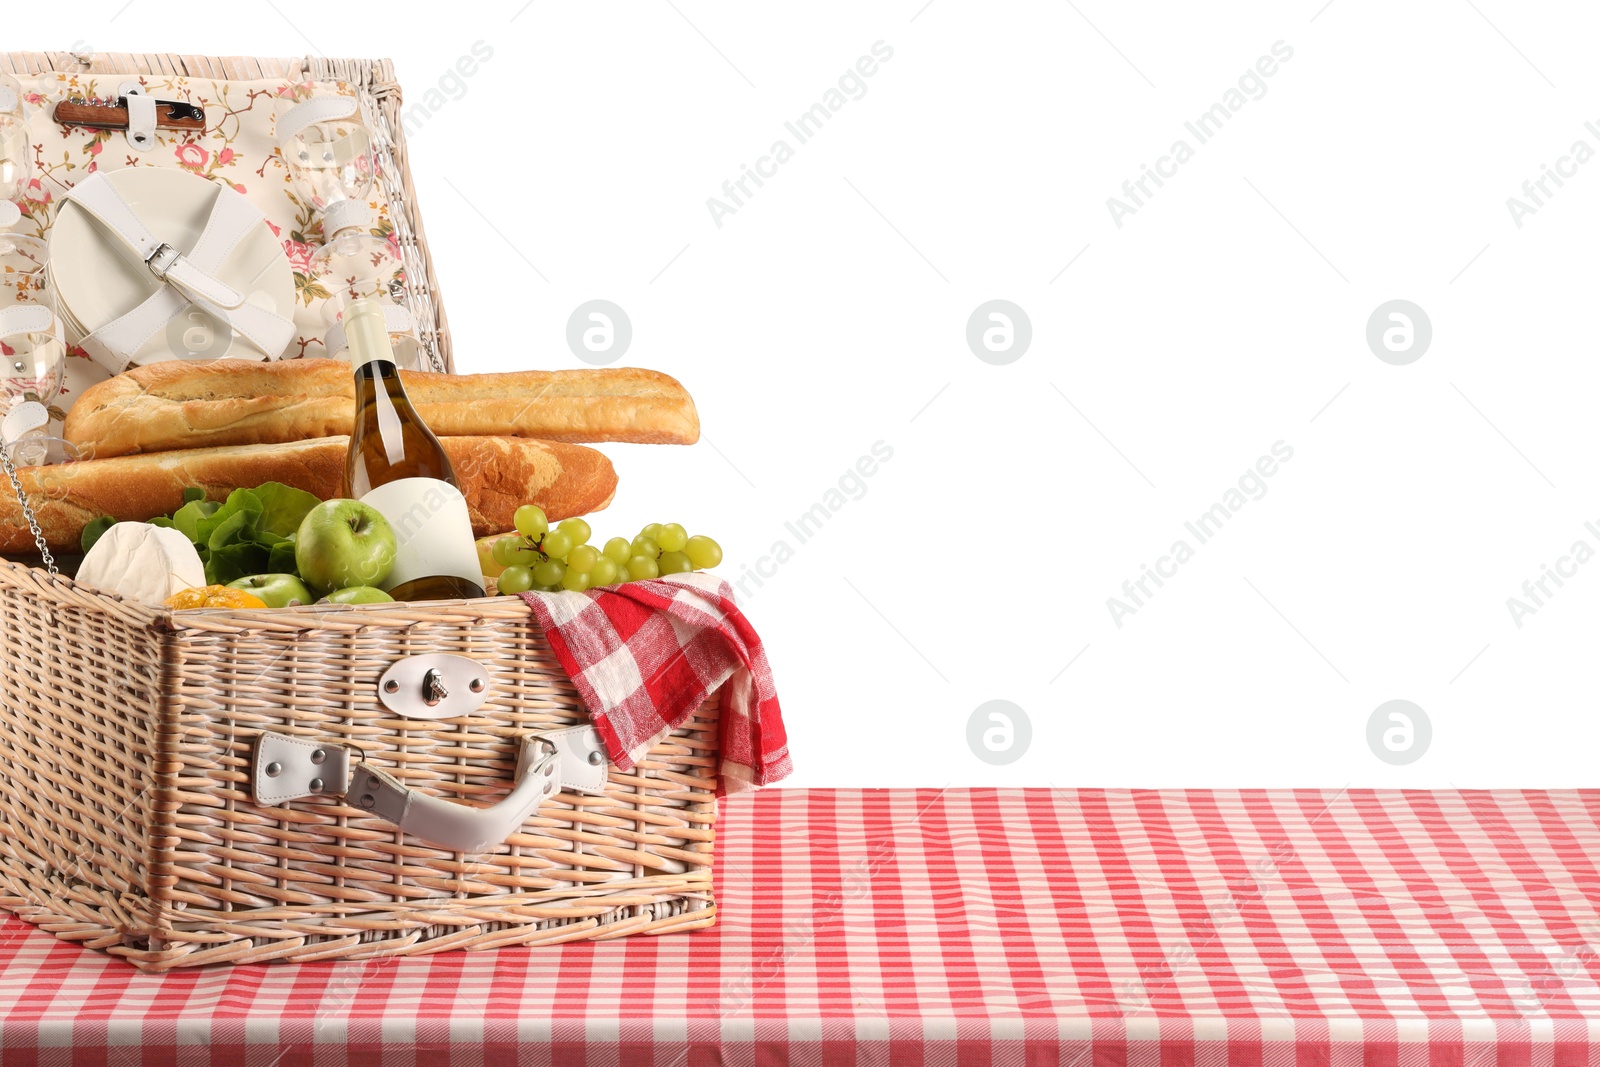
189, 278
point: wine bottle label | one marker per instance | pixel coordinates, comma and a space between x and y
432, 530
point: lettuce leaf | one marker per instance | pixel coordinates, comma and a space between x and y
187, 518
94, 531
252, 532
283, 508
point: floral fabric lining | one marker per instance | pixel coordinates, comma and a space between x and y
239, 147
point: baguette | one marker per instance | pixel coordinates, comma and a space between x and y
496, 474
205, 404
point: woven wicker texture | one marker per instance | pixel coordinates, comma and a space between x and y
374, 83
126, 818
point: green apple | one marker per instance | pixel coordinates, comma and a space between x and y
357, 594
275, 590
342, 543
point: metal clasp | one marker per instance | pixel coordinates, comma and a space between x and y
433, 689
434, 685
161, 260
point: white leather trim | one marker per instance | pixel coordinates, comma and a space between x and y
188, 278
25, 318
312, 111
141, 122
456, 826
111, 343
105, 205
26, 417
341, 215
297, 771
574, 769
540, 773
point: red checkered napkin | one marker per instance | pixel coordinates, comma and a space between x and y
645, 655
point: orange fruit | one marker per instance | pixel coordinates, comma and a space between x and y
213, 596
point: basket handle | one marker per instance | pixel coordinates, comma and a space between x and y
456, 826
290, 767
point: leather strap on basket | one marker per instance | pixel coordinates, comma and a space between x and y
189, 279
26, 318
311, 111
290, 768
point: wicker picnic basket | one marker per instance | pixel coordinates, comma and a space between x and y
131, 741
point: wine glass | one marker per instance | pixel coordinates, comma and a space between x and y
16, 170
33, 352
355, 266
330, 161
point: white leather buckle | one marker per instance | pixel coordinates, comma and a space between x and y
189, 278
162, 259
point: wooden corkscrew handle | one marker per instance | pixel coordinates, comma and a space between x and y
170, 115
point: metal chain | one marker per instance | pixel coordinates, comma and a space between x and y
27, 509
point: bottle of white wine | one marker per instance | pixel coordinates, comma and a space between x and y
397, 465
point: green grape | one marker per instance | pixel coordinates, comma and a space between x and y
651, 531
516, 580
501, 551
557, 544
530, 521
576, 529
672, 537
619, 550
703, 552
646, 547
574, 581
550, 572
582, 558
604, 571
642, 567
523, 554
675, 563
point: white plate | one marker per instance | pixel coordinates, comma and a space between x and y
98, 278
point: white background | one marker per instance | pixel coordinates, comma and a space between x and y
829, 312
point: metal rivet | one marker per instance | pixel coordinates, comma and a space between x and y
318, 756
274, 769
476, 685
391, 686
366, 800
595, 758
316, 785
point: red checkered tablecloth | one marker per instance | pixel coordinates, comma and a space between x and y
963, 926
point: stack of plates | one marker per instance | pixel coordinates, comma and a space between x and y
97, 278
